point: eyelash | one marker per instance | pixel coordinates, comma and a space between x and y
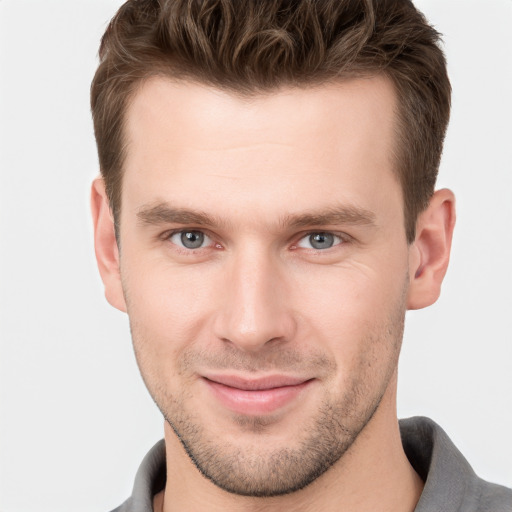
342, 239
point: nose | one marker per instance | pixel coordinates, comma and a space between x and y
255, 308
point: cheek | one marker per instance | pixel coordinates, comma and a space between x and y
169, 307
355, 313
342, 295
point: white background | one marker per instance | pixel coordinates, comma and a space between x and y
75, 416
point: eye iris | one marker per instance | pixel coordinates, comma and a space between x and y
192, 239
321, 240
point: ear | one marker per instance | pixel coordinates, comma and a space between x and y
105, 245
429, 254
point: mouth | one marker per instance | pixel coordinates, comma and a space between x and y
259, 396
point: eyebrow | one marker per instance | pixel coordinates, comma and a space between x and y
163, 213
338, 215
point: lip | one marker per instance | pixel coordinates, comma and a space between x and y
259, 396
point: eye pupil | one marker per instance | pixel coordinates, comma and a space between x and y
321, 240
192, 239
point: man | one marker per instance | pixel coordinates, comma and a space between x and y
266, 214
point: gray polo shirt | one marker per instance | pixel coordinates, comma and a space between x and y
450, 483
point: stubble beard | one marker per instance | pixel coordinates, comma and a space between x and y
284, 470
247, 471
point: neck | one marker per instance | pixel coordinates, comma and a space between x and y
373, 475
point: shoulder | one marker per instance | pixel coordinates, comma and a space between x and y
150, 480
125, 507
451, 484
492, 497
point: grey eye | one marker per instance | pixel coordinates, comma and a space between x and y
189, 239
319, 241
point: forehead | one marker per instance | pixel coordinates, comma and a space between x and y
288, 148
195, 110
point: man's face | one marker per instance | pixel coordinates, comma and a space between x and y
265, 271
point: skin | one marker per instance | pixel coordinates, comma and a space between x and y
258, 177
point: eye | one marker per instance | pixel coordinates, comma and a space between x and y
319, 241
190, 239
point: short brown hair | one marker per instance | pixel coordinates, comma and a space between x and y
254, 46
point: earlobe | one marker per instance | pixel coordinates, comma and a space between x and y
429, 254
105, 245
